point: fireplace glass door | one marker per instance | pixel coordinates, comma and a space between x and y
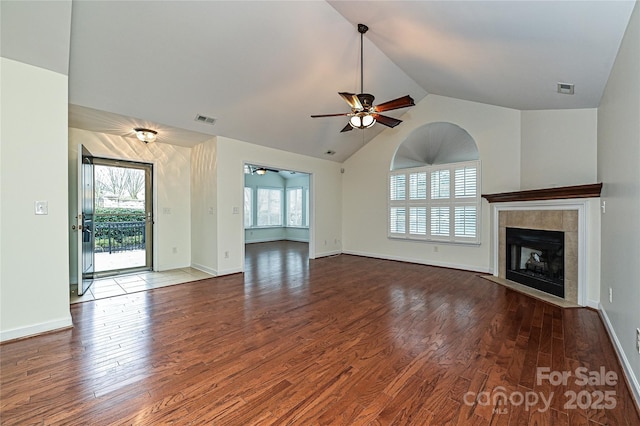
535, 258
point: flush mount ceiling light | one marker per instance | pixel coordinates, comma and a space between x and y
146, 135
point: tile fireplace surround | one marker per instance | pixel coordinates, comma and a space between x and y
555, 209
548, 220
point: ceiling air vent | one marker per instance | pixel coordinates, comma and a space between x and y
204, 119
565, 88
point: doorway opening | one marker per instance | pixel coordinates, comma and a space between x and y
123, 218
277, 206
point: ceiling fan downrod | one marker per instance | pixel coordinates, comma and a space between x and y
362, 28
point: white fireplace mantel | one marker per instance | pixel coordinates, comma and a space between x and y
588, 281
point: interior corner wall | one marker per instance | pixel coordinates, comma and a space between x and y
326, 198
618, 169
172, 213
204, 207
34, 277
559, 148
496, 131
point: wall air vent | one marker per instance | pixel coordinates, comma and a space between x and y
565, 88
204, 119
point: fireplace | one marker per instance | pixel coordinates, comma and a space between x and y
535, 258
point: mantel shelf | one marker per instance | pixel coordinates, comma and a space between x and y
559, 193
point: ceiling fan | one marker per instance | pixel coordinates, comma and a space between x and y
363, 113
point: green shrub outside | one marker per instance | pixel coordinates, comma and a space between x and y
118, 215
118, 237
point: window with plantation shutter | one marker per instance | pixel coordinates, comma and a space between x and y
436, 203
418, 220
397, 220
466, 218
465, 182
418, 186
398, 187
440, 221
440, 184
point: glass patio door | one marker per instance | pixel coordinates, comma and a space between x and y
123, 217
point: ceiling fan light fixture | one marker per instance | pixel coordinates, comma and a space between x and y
146, 135
362, 121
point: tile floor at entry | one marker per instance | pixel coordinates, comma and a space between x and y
124, 284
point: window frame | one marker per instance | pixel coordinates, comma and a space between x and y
248, 215
288, 204
282, 206
414, 207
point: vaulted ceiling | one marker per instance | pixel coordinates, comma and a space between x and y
262, 68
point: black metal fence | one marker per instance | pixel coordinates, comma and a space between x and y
114, 237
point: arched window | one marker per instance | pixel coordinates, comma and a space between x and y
434, 186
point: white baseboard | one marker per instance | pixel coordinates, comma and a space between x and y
327, 253
229, 271
203, 268
263, 240
593, 304
626, 366
297, 240
215, 272
35, 329
271, 240
421, 261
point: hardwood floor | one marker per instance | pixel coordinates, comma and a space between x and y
338, 340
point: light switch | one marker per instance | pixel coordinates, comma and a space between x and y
42, 207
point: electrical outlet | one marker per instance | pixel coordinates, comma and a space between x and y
226, 254
610, 295
175, 250
638, 339
435, 249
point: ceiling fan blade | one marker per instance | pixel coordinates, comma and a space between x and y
330, 115
403, 102
387, 121
352, 100
347, 128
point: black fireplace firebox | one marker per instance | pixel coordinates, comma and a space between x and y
535, 258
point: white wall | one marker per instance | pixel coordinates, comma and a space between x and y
619, 170
326, 202
559, 148
204, 207
496, 131
171, 188
34, 278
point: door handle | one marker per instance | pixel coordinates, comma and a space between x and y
73, 227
